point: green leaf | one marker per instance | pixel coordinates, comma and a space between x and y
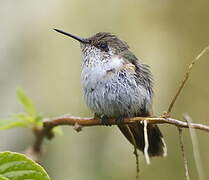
11, 123
3, 178
23, 117
26, 102
15, 166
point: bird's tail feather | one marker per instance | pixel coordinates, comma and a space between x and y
157, 146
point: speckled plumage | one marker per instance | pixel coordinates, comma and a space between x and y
117, 85
112, 86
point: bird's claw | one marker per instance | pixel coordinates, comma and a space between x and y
119, 121
105, 120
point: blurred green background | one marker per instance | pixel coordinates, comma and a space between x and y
167, 35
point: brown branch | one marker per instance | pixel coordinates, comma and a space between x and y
85, 122
78, 123
35, 151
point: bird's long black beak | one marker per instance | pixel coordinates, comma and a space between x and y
81, 40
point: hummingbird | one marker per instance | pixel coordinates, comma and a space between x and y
116, 84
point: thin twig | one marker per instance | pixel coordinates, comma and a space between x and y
35, 151
186, 175
135, 152
146, 143
195, 145
186, 76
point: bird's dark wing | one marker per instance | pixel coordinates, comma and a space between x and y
143, 73
144, 78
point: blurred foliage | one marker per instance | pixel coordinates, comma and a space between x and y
167, 35
30, 118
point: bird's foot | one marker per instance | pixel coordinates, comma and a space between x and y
105, 120
119, 121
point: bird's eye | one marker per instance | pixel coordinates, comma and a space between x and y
104, 47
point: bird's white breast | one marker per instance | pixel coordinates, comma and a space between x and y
94, 72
